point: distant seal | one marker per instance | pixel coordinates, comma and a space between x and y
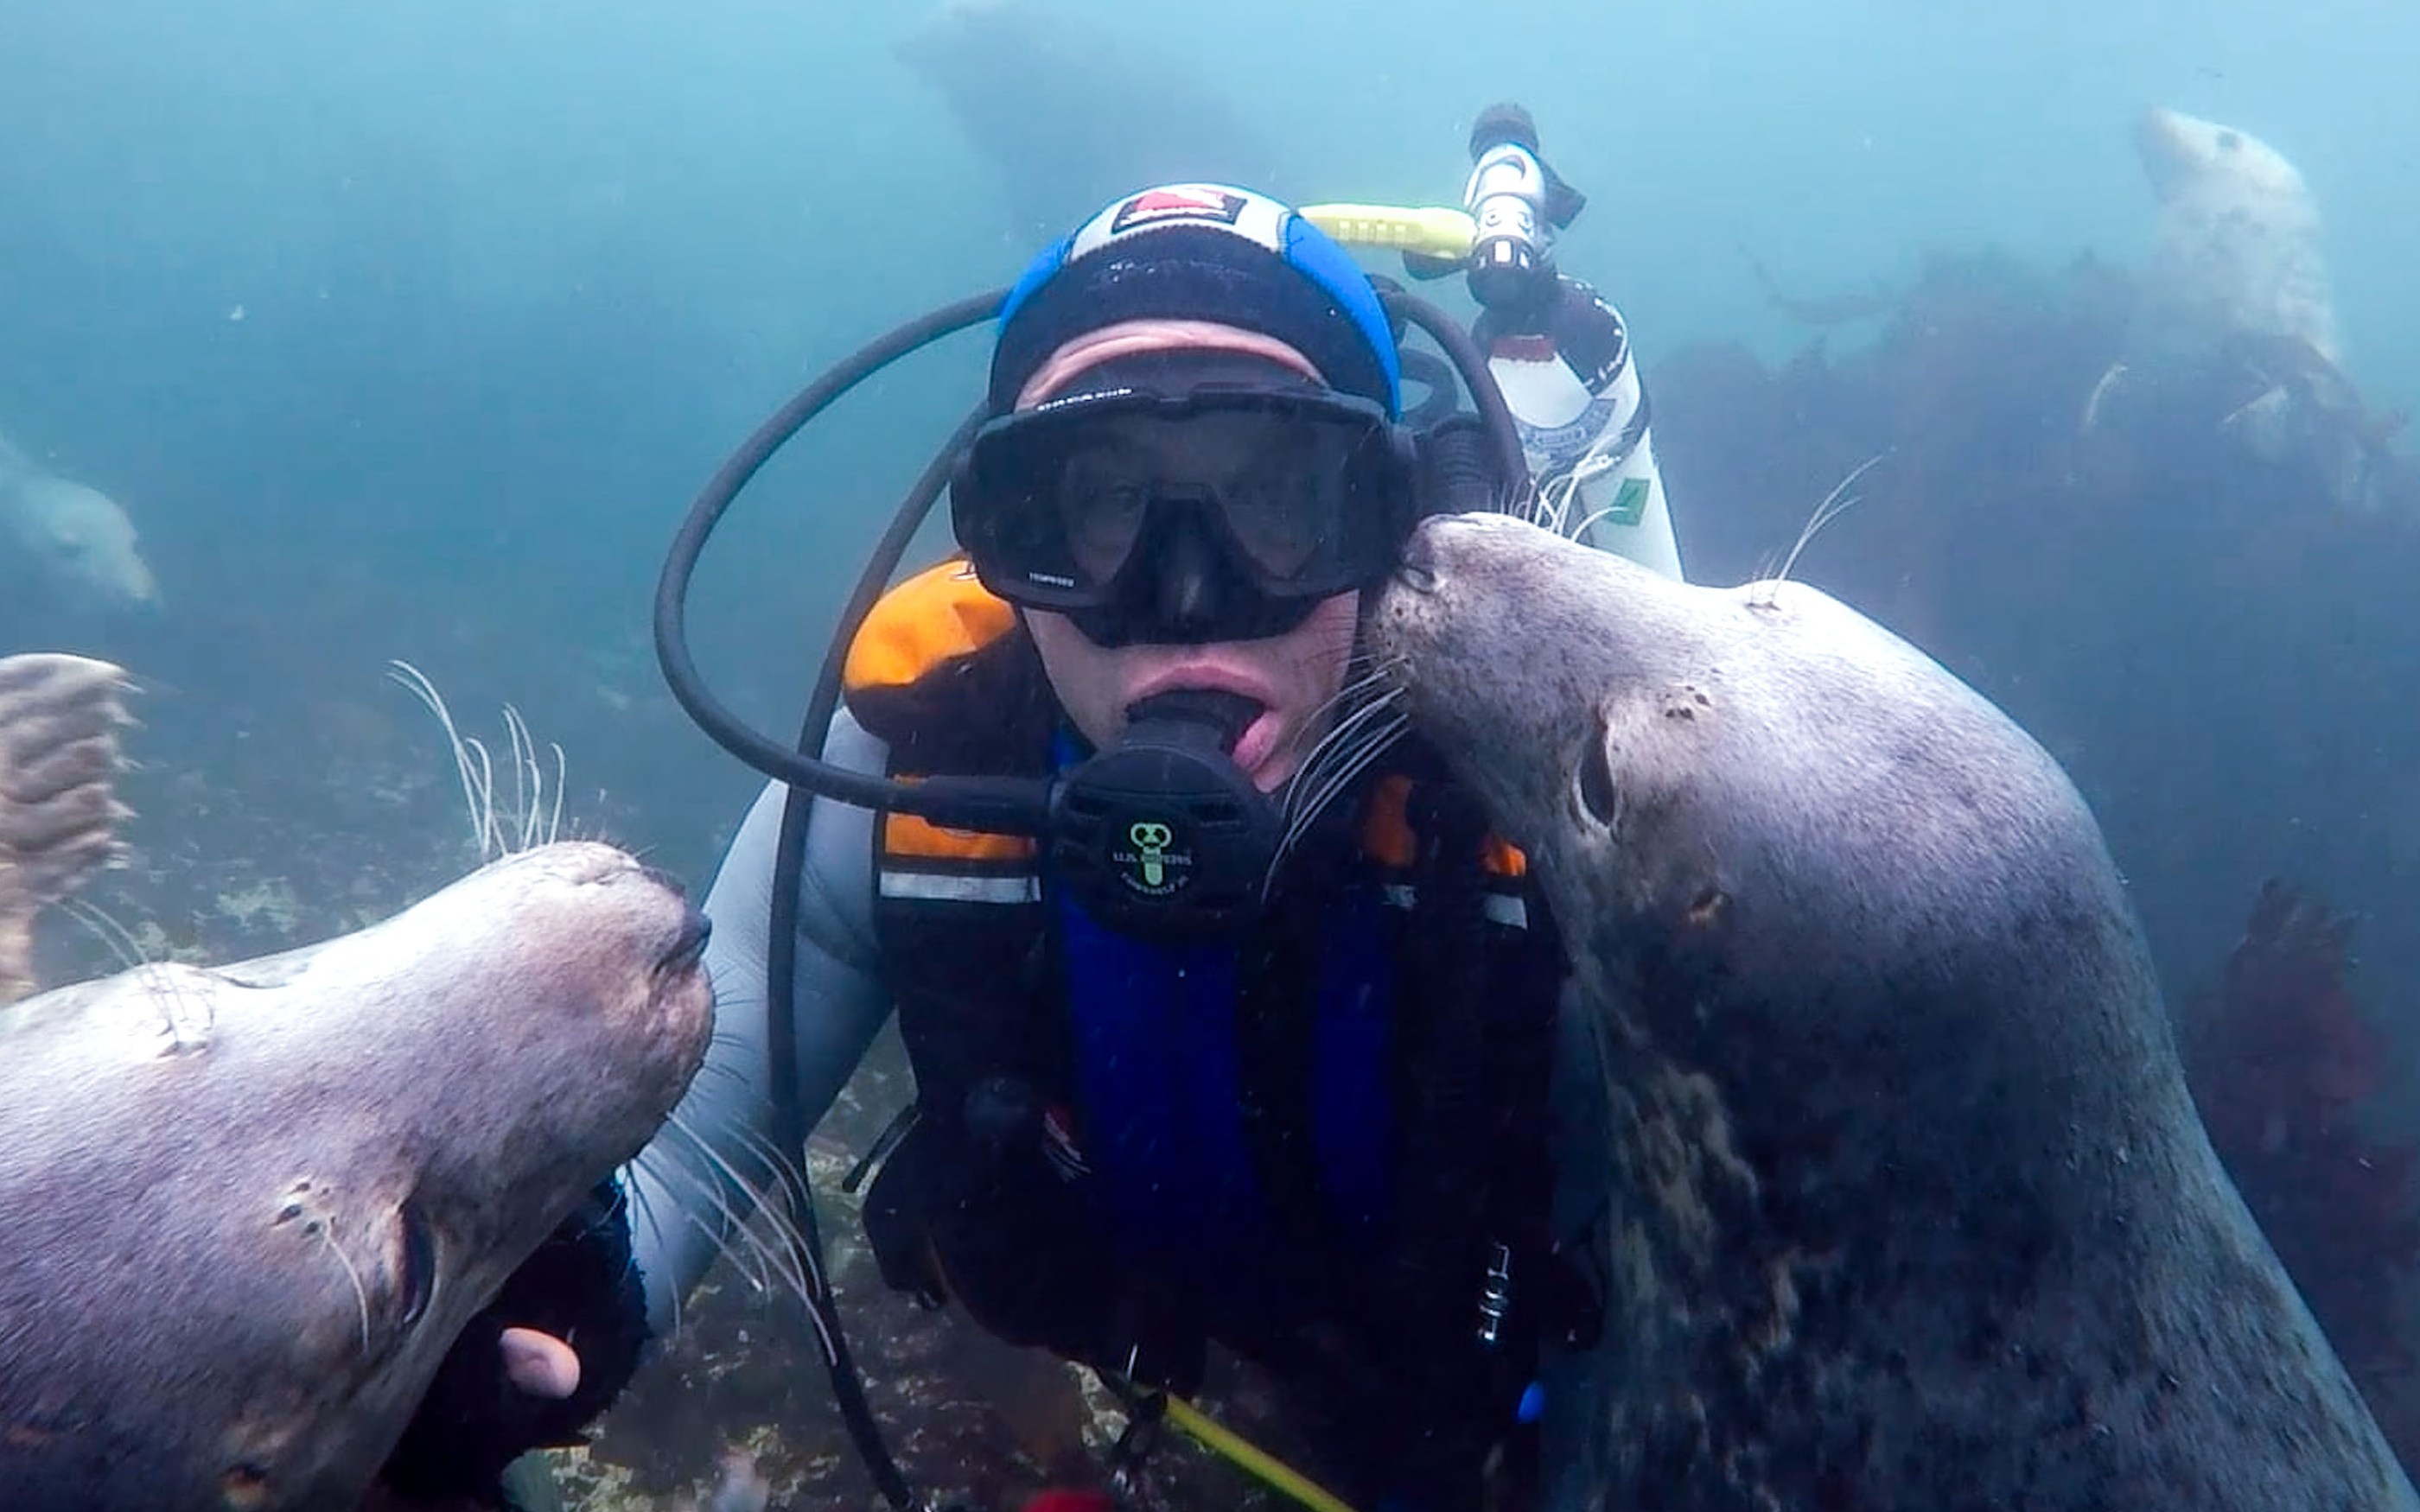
1071, 113
68, 538
2237, 249
247, 1211
1910, 1207
2233, 340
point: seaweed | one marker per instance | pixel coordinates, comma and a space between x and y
2288, 1071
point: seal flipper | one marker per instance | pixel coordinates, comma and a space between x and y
59, 717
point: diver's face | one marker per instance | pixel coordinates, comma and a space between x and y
1295, 677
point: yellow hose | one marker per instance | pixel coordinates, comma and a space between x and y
1248, 1457
1431, 230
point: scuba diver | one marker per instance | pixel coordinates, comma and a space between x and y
1248, 1034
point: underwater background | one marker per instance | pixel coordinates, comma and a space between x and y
411, 329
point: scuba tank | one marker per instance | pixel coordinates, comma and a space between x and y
1559, 352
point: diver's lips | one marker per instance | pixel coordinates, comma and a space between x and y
1258, 741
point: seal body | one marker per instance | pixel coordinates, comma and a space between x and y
1910, 1208
2233, 339
2238, 248
1070, 112
248, 1209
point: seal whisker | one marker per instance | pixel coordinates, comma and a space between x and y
1338, 753
1373, 699
1313, 784
562, 780
113, 936
1333, 750
484, 815
186, 1017
713, 1175
625, 1207
642, 1209
1358, 740
1363, 675
536, 816
1549, 505
782, 1170
1836, 503
319, 1230
474, 787
1340, 735
702, 1203
1352, 761
1363, 678
540, 813
527, 778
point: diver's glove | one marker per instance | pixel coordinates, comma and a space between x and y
581, 1284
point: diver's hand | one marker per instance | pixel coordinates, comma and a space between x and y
512, 1382
540, 1363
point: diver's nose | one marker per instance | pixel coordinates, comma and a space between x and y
1187, 600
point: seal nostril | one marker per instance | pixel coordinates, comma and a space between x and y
689, 947
244, 1484
1416, 566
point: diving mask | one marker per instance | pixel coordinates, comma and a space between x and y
1224, 513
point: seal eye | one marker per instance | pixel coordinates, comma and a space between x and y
418, 1278
1598, 794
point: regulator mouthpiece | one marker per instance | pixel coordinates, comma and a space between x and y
1160, 833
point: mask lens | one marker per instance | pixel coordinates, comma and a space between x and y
1291, 508
1103, 496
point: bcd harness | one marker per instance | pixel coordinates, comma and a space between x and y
1328, 1149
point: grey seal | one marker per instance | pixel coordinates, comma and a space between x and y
247, 1209
69, 538
1909, 1206
2239, 246
1070, 111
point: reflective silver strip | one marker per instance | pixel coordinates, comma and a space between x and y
1503, 908
935, 887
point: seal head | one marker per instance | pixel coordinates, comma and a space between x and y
249, 1209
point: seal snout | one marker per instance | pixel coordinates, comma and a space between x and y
689, 946
1416, 568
